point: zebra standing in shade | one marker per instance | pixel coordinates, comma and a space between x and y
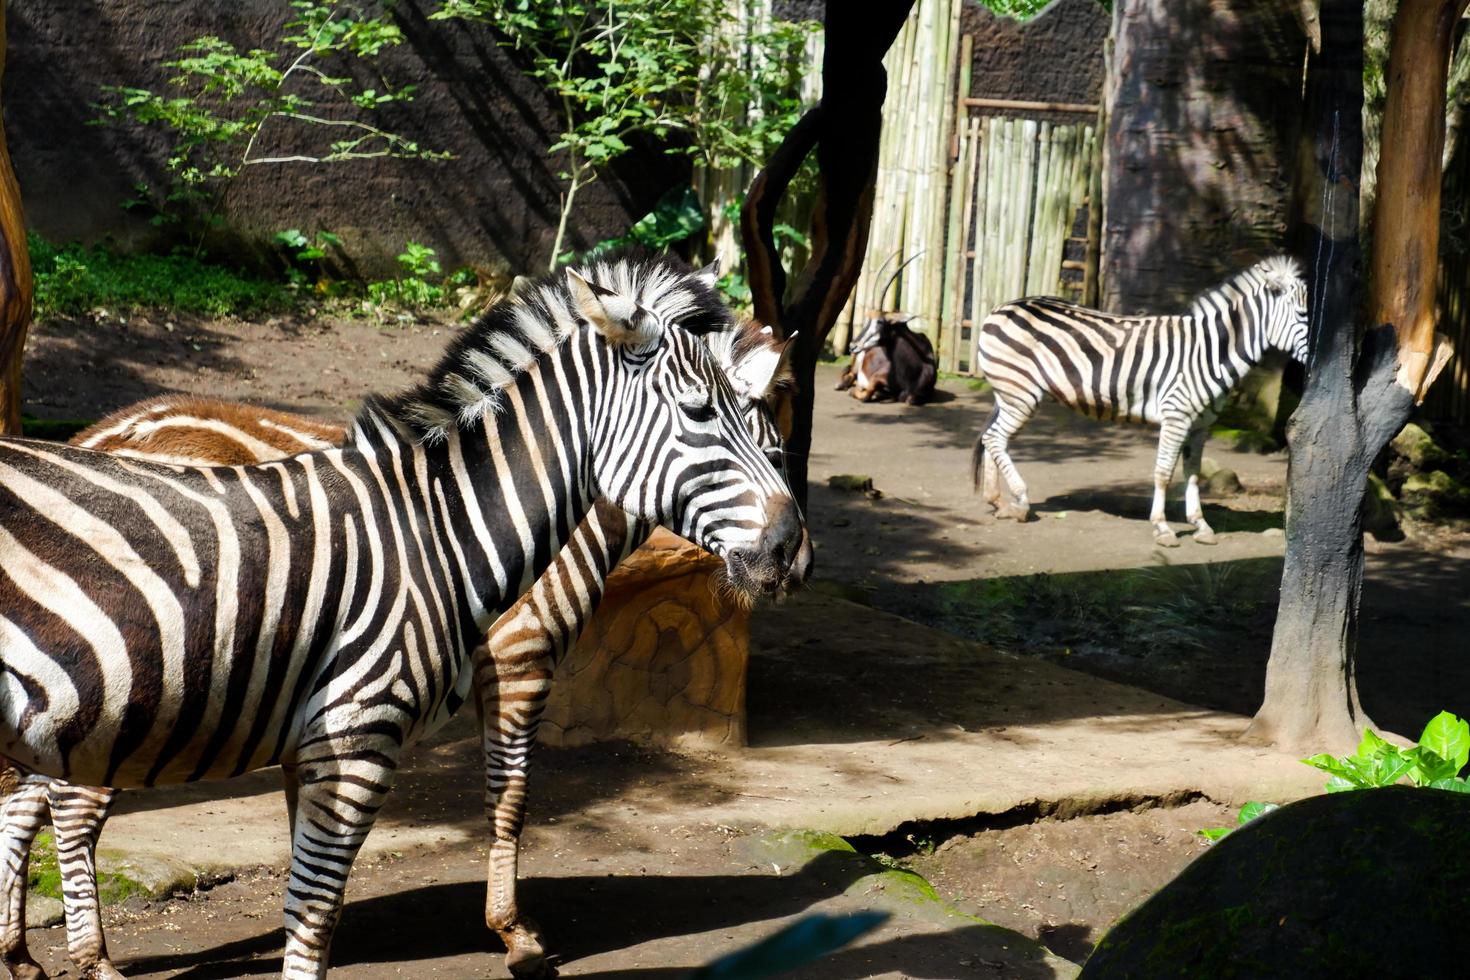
513, 668
1165, 370
165, 623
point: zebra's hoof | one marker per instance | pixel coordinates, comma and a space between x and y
26, 970
1010, 512
101, 971
1166, 539
1205, 536
525, 956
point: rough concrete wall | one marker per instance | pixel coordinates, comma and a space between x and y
495, 205
1057, 56
1203, 113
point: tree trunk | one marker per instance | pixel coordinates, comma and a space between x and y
15, 279
844, 129
1202, 122
1406, 213
1353, 402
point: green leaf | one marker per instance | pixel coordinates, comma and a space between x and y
1213, 834
1427, 766
1251, 811
1337, 785
291, 237
1449, 738
1454, 784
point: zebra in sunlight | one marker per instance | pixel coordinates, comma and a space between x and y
513, 668
1170, 371
166, 623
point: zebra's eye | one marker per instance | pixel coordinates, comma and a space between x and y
698, 402
776, 456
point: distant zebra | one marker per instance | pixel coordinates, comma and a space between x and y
1166, 370
513, 668
163, 623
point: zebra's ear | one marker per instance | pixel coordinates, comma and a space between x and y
764, 370
710, 274
617, 317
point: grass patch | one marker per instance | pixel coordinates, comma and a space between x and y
74, 279
1141, 611
45, 875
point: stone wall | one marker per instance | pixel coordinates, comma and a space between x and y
662, 662
1056, 56
495, 205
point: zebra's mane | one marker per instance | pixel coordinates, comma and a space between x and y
1278, 273
538, 316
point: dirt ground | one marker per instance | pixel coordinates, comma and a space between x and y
641, 884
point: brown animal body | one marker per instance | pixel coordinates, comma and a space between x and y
890, 360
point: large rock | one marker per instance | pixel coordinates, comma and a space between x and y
1373, 883
663, 661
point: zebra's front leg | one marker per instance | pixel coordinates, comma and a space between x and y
22, 818
77, 814
338, 799
511, 686
1172, 433
1194, 512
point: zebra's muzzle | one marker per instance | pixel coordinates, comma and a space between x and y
780, 559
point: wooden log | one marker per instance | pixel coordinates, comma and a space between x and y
1023, 106
15, 279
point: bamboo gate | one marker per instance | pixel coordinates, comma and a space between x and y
989, 197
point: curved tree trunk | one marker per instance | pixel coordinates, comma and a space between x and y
1357, 395
844, 130
15, 279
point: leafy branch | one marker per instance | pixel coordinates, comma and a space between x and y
230, 97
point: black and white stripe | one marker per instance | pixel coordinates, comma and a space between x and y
1164, 370
167, 623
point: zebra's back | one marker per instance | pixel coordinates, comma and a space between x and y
1100, 364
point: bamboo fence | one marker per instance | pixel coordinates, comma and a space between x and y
914, 189
986, 202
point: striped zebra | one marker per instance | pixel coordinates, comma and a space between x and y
1170, 371
165, 623
513, 668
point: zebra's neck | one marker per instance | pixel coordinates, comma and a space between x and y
1229, 338
498, 498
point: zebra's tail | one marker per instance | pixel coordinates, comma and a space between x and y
977, 454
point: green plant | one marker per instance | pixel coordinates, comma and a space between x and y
74, 279
423, 283
650, 68
676, 217
226, 97
1436, 761
304, 254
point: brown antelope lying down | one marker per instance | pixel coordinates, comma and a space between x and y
890, 360
512, 668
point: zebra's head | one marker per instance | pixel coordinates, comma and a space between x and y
757, 364
1283, 292
673, 444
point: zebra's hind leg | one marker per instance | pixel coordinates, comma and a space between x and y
337, 802
1194, 512
1005, 423
23, 817
77, 813
1172, 434
512, 685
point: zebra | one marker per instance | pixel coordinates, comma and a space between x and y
165, 623
513, 668
1167, 370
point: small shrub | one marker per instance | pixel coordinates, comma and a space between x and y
74, 279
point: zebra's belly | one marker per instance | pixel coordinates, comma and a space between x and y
1110, 407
